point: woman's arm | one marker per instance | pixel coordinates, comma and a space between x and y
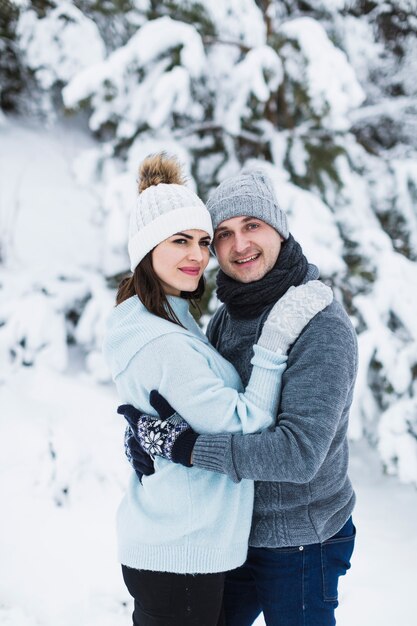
179, 366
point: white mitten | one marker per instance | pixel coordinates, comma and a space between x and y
292, 312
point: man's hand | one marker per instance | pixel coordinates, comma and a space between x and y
141, 462
168, 435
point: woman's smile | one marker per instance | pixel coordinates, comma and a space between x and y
191, 271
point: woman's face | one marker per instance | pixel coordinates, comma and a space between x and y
180, 260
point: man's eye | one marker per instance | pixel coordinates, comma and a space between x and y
253, 225
222, 235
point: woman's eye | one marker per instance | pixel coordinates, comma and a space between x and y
179, 241
205, 244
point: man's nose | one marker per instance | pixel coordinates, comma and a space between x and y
241, 242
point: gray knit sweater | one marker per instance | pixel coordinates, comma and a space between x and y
303, 494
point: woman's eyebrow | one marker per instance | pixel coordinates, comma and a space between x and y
190, 236
183, 235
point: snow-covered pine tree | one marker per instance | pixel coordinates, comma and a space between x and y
321, 93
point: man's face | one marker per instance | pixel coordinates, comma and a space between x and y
247, 248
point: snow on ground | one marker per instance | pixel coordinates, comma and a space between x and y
62, 474
381, 586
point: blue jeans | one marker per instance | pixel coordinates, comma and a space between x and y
292, 586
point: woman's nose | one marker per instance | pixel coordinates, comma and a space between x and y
196, 253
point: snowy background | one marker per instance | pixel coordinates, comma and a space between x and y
320, 93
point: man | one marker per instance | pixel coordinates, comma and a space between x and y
302, 534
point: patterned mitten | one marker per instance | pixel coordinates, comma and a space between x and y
168, 435
292, 313
141, 462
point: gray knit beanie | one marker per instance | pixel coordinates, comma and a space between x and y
249, 193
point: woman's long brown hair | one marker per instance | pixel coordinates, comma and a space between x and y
145, 284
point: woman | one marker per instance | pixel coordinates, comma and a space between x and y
182, 528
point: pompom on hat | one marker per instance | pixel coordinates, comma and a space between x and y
165, 206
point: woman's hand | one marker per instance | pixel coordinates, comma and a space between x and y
292, 313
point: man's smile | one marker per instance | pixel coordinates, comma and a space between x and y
247, 259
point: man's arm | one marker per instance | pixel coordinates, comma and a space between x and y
317, 388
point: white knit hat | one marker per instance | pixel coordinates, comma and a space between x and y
161, 211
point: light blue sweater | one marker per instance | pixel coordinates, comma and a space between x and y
186, 520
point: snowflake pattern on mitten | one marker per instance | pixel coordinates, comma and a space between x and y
157, 436
150, 432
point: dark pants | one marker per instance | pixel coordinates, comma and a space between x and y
292, 586
165, 599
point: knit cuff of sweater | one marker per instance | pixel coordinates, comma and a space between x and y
273, 339
183, 447
214, 453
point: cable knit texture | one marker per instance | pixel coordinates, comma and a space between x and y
248, 193
186, 520
161, 211
292, 312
